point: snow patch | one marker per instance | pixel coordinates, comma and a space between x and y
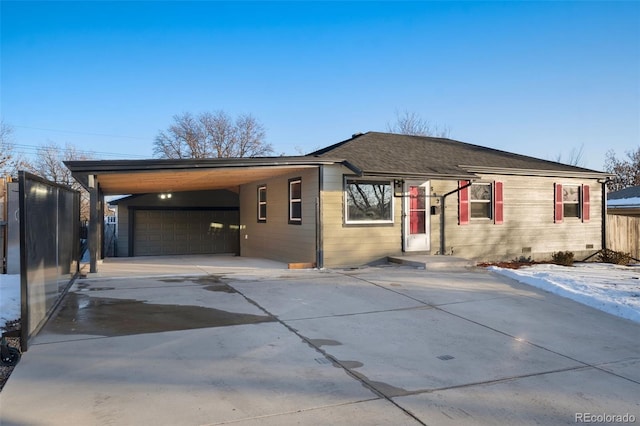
9, 299
610, 288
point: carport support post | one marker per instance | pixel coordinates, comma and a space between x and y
94, 226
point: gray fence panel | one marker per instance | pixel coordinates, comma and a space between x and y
49, 223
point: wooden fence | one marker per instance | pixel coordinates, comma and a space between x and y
623, 234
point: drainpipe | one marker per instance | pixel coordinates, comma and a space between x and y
319, 240
442, 227
604, 213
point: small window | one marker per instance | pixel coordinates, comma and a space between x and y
262, 203
295, 201
368, 201
571, 201
480, 200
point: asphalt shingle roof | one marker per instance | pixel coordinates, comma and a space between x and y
631, 192
405, 154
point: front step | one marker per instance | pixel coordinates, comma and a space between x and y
433, 263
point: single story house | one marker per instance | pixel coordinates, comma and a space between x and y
355, 202
625, 202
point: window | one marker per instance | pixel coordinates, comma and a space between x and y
480, 201
295, 201
368, 201
262, 203
572, 201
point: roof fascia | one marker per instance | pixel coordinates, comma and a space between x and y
537, 172
425, 176
105, 166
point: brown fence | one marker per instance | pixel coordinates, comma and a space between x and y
623, 234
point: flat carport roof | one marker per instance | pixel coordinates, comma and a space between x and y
116, 177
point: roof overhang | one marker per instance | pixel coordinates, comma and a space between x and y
588, 174
150, 176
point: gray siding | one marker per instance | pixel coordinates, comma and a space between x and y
277, 239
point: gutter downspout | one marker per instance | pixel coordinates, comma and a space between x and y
604, 213
319, 240
442, 227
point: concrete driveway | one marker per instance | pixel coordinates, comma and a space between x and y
202, 341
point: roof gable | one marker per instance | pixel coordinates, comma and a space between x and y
387, 153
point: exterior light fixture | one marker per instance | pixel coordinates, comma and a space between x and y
164, 196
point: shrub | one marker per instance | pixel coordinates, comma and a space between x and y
615, 257
564, 258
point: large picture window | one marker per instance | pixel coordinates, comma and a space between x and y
295, 201
368, 201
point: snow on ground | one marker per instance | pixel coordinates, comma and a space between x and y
9, 299
611, 288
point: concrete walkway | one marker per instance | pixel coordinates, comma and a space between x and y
200, 341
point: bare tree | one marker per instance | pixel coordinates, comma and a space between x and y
575, 157
626, 171
212, 135
411, 123
6, 149
49, 164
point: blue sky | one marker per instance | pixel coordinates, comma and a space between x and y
536, 78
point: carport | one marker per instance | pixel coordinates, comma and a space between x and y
116, 177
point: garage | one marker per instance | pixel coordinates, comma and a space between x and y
185, 231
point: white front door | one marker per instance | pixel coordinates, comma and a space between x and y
416, 216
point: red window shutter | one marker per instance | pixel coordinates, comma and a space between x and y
586, 203
463, 203
498, 203
559, 209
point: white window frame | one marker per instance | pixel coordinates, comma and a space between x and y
292, 201
477, 201
577, 203
348, 221
262, 188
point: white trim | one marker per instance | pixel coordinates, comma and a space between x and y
261, 203
414, 242
347, 221
295, 200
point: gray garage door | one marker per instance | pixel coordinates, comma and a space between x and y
166, 232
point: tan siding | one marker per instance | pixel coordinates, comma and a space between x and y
347, 245
528, 229
277, 239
